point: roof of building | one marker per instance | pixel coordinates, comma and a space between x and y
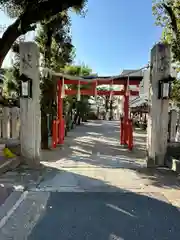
140, 100
137, 73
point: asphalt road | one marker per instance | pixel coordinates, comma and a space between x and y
101, 216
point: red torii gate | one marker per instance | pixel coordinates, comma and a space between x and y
126, 136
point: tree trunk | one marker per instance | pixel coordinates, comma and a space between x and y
25, 21
106, 107
45, 96
79, 120
98, 112
44, 131
111, 111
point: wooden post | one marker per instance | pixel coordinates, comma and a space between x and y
158, 114
30, 115
173, 122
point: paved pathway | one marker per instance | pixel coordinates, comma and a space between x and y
94, 189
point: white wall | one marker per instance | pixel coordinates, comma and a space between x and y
144, 85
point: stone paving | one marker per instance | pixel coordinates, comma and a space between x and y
93, 160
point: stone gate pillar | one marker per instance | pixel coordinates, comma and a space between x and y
158, 112
30, 116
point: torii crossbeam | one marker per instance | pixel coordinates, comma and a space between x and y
93, 82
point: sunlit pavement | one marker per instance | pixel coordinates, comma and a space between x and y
94, 189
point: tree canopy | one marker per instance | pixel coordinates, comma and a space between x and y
167, 13
27, 14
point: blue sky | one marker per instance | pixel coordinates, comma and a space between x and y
114, 35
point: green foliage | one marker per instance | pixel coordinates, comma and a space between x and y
167, 14
83, 106
17, 8
77, 70
54, 41
11, 84
29, 13
105, 102
175, 95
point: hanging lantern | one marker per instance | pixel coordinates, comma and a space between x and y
164, 88
79, 92
25, 87
62, 89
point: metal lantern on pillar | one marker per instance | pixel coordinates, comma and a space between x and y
25, 87
63, 89
164, 88
79, 92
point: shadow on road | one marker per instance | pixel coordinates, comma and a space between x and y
161, 177
96, 144
106, 212
88, 140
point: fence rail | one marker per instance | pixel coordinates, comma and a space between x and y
9, 122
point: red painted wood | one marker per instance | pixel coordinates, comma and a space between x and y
100, 92
122, 131
126, 115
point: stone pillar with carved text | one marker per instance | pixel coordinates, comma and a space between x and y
30, 116
158, 108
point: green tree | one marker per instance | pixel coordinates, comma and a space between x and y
55, 46
54, 41
105, 101
11, 83
82, 107
167, 16
27, 14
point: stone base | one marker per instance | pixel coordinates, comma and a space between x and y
173, 156
174, 165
